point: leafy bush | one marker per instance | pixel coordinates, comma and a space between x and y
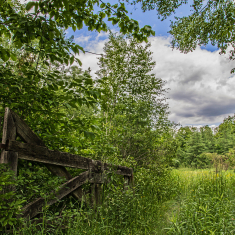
10, 204
203, 161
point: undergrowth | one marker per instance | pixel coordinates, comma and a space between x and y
161, 202
138, 210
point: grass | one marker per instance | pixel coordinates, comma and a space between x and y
184, 201
206, 204
122, 212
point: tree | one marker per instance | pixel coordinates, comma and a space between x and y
45, 20
211, 21
195, 146
47, 99
225, 135
34, 53
182, 137
132, 106
214, 22
208, 138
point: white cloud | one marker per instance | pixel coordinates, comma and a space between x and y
94, 45
200, 82
82, 39
201, 86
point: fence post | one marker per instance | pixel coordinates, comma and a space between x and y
128, 181
9, 133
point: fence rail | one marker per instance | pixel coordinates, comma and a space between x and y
34, 149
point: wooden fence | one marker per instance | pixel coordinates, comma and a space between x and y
34, 149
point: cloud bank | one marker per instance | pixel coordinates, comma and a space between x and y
201, 88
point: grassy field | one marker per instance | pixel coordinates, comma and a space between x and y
189, 202
206, 204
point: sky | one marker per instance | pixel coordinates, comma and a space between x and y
201, 88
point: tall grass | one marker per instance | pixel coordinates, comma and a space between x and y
139, 211
182, 202
206, 205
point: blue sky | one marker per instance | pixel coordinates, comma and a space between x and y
201, 88
161, 28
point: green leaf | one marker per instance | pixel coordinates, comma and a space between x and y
36, 7
29, 5
13, 57
79, 61
74, 27
71, 60
102, 5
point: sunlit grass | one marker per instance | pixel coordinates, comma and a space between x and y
206, 204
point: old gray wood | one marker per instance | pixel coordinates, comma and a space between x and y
126, 182
38, 153
35, 207
9, 133
28, 136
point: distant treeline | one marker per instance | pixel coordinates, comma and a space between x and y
206, 147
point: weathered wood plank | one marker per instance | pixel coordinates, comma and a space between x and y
9, 133
98, 194
10, 158
24, 131
28, 136
41, 154
97, 178
35, 207
38, 153
126, 182
9, 128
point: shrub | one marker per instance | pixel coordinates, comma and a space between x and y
10, 204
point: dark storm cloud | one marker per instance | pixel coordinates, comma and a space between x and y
217, 108
188, 108
191, 76
183, 94
186, 113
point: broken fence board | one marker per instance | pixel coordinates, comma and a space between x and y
9, 157
9, 128
35, 207
41, 154
28, 136
24, 131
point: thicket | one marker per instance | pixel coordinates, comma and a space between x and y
120, 117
